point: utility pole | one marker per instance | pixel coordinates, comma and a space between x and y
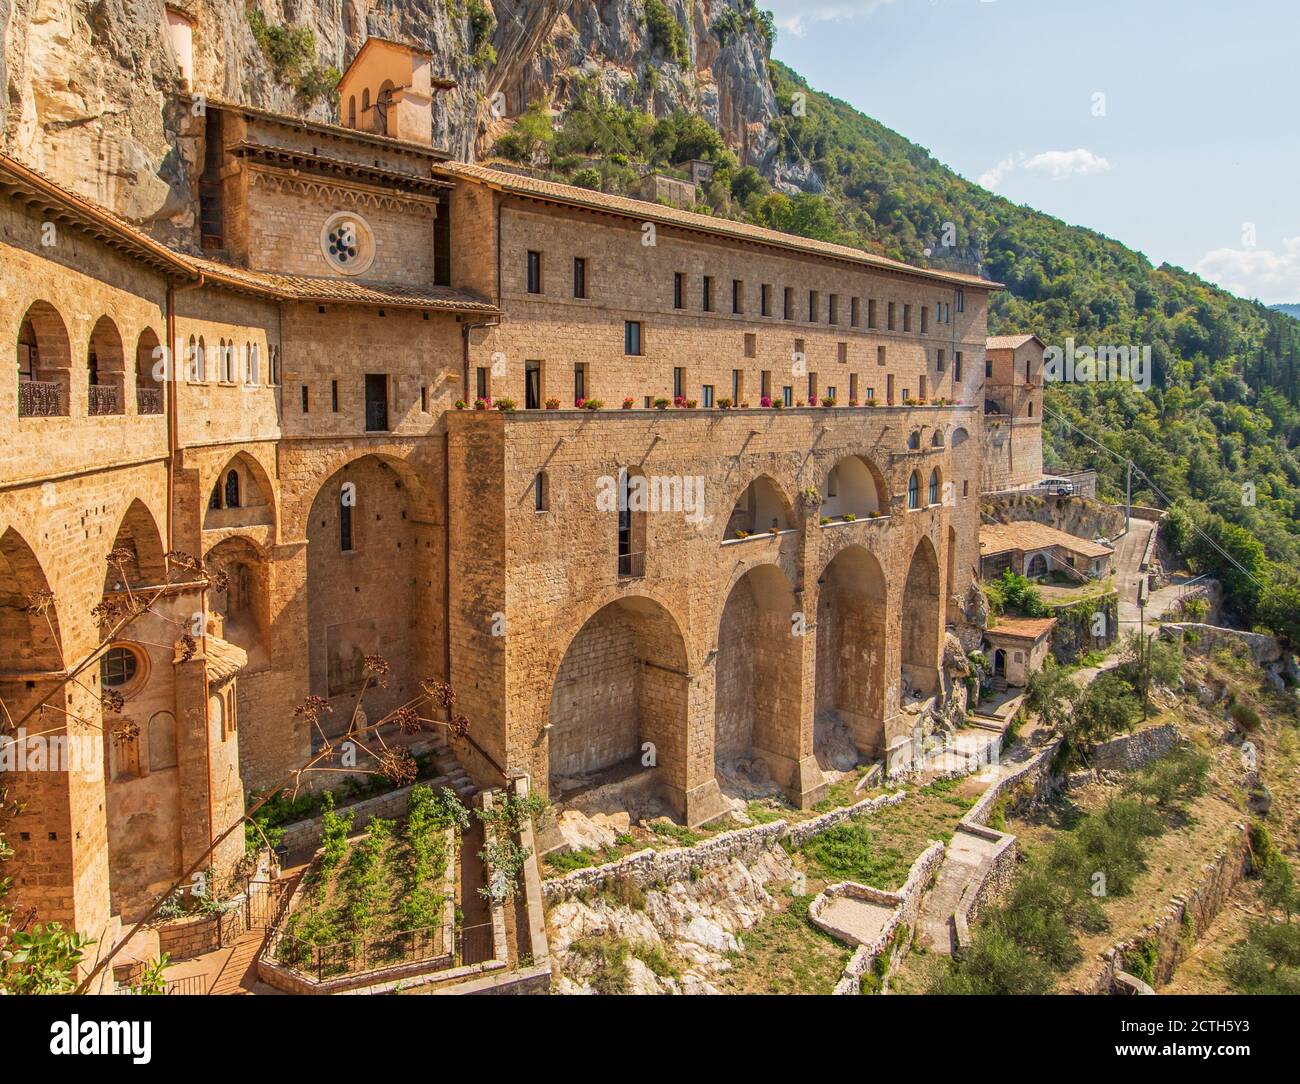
1128, 493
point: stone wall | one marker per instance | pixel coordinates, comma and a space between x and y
193, 935
1154, 955
649, 866
1129, 752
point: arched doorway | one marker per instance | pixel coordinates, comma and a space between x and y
1000, 663
1037, 566
148, 361
104, 369
619, 699
756, 687
759, 509
851, 639
242, 603
854, 487
921, 623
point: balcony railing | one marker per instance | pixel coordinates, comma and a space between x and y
40, 399
104, 399
148, 401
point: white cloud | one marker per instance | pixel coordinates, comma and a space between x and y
796, 16
1058, 165
1271, 275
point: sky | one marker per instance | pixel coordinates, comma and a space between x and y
1172, 126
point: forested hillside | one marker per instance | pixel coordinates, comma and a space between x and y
1216, 433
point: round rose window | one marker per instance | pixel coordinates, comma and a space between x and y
347, 242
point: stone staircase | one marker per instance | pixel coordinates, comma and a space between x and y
961, 861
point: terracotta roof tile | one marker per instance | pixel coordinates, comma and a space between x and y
1022, 628
1008, 342
523, 185
1028, 535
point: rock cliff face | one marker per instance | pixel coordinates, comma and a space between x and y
93, 95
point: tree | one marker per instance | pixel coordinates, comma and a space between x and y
1052, 694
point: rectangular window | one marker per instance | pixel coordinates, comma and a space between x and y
789, 303
737, 296
889, 318
304, 399
334, 396
880, 355
579, 277
942, 361
843, 352
345, 527
965, 488
707, 395
751, 345
853, 387
579, 381
889, 390
765, 300
706, 295
812, 389
632, 337
424, 399
988, 368
814, 306
925, 319
737, 386
534, 272
923, 386
833, 313
787, 395
871, 393
830, 391
855, 311
679, 382
871, 312
956, 368
765, 384
961, 301
907, 394
679, 288
532, 385
907, 317
376, 402
482, 387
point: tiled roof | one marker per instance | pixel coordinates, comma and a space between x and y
24, 182
1022, 628
519, 184
343, 291
1008, 342
225, 659
1028, 535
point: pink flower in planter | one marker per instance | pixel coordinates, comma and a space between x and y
766, 401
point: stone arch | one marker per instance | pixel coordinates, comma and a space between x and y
44, 362
934, 487
1037, 566
914, 490
105, 369
936, 438
146, 565
243, 605
992, 406
922, 615
761, 503
148, 389
851, 646
30, 642
960, 436
854, 486
757, 679
623, 681
381, 594
252, 486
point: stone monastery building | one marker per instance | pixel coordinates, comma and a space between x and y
279, 402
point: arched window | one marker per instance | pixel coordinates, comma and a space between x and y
1031, 408
1037, 566
352, 111
255, 364
934, 487
541, 499
914, 491
29, 358
162, 741
215, 500
232, 489
914, 440
936, 440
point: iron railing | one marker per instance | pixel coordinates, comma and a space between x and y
631, 564
148, 401
40, 399
104, 399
